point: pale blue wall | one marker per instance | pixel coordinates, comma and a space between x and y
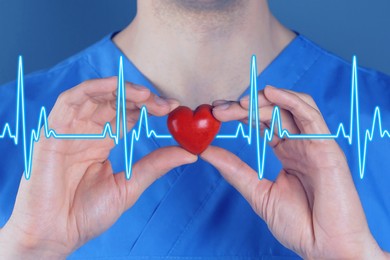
47, 31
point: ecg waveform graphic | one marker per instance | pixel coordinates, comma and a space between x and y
251, 132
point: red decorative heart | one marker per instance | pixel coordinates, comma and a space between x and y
193, 130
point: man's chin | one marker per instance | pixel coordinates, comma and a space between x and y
208, 5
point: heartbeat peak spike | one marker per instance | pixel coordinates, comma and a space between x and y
254, 119
251, 134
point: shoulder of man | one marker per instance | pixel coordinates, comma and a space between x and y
330, 78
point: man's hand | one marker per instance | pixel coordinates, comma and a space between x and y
313, 207
73, 195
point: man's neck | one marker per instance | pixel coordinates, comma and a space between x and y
197, 55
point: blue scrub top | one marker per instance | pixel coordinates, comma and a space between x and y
192, 211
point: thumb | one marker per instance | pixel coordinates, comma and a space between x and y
240, 176
149, 169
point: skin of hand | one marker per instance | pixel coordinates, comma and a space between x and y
312, 207
73, 195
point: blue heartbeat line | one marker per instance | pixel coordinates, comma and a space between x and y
253, 116
284, 133
48, 132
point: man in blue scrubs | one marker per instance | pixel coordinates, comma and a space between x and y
311, 203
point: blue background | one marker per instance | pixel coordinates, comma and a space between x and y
47, 31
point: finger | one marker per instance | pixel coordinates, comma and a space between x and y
286, 120
133, 114
308, 119
305, 97
268, 116
132, 117
158, 106
266, 109
262, 101
102, 90
153, 102
232, 110
132, 106
134, 93
226, 111
92, 97
150, 168
90, 88
240, 176
272, 138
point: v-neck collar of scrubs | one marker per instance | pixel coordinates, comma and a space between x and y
283, 72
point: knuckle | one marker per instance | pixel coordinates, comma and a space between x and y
313, 115
309, 99
306, 97
62, 99
63, 96
86, 83
114, 78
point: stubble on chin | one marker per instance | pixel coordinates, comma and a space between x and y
201, 16
206, 5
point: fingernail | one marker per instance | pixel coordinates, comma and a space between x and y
160, 101
139, 87
220, 102
173, 102
221, 107
191, 159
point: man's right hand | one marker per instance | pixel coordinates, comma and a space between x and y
312, 207
73, 195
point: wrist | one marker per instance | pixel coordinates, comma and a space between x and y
16, 246
372, 251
